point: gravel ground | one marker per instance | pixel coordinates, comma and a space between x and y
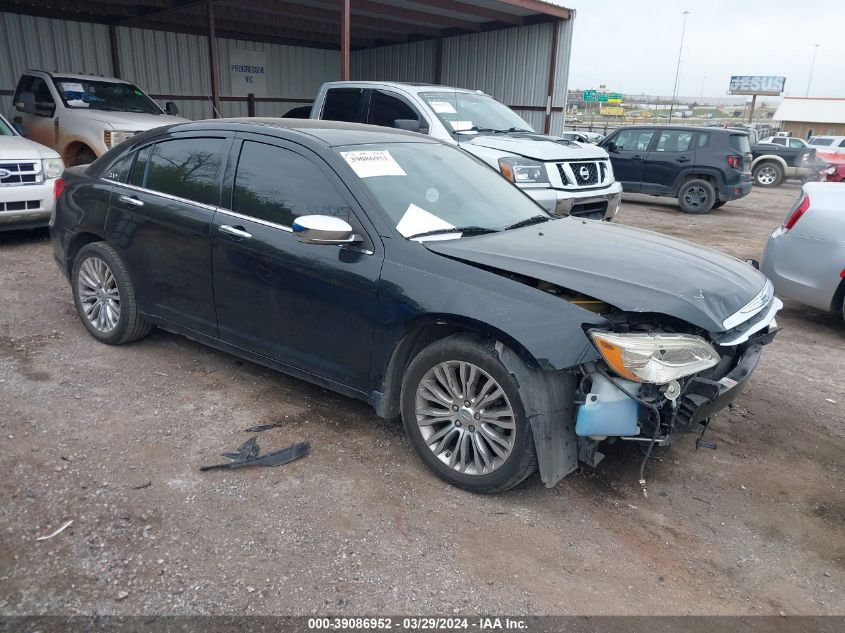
112, 438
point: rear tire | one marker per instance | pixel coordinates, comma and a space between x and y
105, 296
464, 416
696, 196
768, 174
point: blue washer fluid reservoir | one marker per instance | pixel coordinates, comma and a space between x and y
608, 411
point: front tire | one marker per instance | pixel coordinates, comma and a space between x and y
768, 174
464, 416
696, 196
105, 296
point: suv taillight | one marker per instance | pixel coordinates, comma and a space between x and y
798, 210
58, 187
734, 161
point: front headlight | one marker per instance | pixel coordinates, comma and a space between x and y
830, 170
654, 358
113, 138
523, 171
52, 167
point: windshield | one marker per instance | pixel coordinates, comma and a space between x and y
465, 112
429, 187
817, 140
104, 95
5, 128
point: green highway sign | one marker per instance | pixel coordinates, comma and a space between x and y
589, 95
614, 97
602, 97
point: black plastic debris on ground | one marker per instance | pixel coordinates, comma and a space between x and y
248, 455
263, 427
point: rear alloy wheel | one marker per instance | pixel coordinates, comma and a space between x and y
696, 196
105, 297
768, 174
464, 416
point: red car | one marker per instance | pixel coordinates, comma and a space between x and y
835, 171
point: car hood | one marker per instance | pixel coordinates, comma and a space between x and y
536, 146
17, 147
632, 269
132, 121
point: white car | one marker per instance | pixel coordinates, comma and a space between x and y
828, 144
28, 176
785, 141
84, 116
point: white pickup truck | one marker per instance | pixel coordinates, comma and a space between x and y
563, 176
83, 116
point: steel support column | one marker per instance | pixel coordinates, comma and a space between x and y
213, 63
344, 42
115, 57
547, 126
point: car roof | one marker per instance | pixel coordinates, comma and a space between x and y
684, 128
331, 133
402, 85
83, 76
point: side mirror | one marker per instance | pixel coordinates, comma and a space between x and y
411, 125
171, 109
611, 147
26, 102
323, 229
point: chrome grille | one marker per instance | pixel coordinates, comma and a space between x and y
585, 173
21, 173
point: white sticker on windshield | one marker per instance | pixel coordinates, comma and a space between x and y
460, 126
417, 220
369, 163
443, 107
72, 87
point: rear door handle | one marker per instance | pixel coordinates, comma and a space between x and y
131, 201
235, 231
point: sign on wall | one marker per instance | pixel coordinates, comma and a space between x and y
248, 72
756, 85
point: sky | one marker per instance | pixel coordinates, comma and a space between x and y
631, 46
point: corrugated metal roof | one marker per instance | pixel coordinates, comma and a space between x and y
310, 23
811, 110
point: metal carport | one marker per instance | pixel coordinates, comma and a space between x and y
180, 50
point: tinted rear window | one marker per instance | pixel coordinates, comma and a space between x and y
187, 168
740, 143
343, 104
820, 141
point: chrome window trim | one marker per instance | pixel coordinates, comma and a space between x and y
202, 205
249, 218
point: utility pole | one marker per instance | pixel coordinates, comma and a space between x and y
812, 66
678, 67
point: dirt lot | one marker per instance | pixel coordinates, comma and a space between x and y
754, 527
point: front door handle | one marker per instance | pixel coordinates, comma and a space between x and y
131, 201
683, 159
636, 157
235, 231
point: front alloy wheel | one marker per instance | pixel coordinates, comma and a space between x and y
465, 418
463, 413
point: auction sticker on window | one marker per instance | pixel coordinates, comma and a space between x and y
369, 163
443, 107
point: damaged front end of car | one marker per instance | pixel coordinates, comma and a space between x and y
659, 377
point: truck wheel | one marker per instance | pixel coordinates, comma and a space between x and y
464, 416
768, 174
85, 157
696, 196
105, 296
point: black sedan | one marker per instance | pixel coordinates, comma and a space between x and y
399, 270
